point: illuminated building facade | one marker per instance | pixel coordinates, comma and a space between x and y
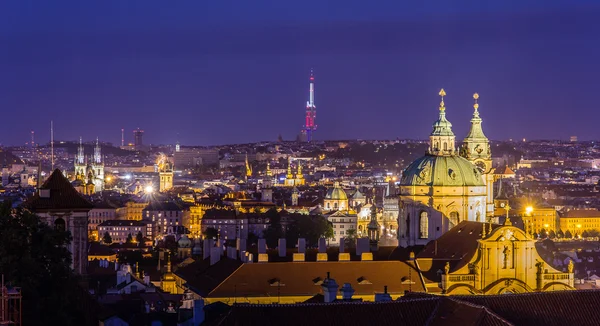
578, 220
492, 259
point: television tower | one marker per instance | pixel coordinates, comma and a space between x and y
311, 109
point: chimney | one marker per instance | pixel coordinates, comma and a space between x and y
322, 245
301, 245
281, 247
330, 289
362, 245
262, 246
342, 245
383, 297
215, 255
198, 316
347, 291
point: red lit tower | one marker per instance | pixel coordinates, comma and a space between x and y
311, 109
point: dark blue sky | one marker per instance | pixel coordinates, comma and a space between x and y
214, 72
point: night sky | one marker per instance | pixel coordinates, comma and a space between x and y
216, 72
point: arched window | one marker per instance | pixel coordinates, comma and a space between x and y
445, 146
60, 224
424, 225
335, 205
454, 220
436, 146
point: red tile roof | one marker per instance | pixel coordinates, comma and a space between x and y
299, 278
62, 196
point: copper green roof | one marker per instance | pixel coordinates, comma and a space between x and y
431, 170
336, 193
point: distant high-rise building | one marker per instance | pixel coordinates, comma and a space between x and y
573, 139
138, 135
311, 110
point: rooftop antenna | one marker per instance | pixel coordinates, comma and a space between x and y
122, 137
32, 139
52, 143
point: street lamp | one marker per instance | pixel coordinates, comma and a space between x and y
528, 212
149, 189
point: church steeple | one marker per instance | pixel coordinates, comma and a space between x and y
373, 226
476, 145
80, 155
97, 153
289, 174
442, 139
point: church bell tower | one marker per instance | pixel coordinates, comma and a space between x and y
476, 148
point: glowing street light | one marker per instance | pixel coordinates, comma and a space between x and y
528, 210
149, 189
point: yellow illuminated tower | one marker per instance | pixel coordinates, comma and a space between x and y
165, 172
299, 176
248, 168
289, 177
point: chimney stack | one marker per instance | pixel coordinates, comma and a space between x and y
301, 245
330, 289
347, 291
281, 246
383, 297
322, 245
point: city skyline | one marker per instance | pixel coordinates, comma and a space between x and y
378, 70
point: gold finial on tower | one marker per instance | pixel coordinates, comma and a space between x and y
442, 93
476, 105
507, 221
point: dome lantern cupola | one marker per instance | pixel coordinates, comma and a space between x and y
442, 139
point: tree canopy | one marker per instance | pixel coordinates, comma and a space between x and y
107, 238
34, 256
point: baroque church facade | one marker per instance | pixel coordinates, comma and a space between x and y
447, 185
89, 175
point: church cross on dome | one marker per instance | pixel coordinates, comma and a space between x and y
442, 93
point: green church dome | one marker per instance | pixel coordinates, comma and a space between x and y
336, 193
431, 170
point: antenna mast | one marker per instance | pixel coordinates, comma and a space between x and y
52, 143
122, 137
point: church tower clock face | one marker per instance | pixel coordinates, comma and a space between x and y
481, 166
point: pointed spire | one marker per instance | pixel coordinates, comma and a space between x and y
289, 169
97, 153
299, 171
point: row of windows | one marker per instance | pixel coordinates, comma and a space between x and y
128, 229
